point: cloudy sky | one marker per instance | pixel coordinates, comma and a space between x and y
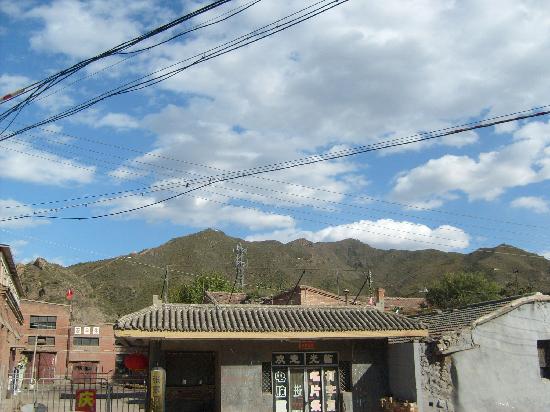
361, 73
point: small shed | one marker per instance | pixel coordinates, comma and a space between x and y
269, 358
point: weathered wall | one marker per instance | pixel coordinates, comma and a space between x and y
240, 371
436, 380
502, 373
404, 378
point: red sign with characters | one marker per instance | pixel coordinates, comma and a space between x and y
85, 400
306, 345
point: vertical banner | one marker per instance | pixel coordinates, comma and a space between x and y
314, 386
85, 400
280, 389
296, 390
158, 386
330, 386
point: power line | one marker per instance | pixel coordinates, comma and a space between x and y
306, 161
235, 44
36, 88
142, 190
215, 20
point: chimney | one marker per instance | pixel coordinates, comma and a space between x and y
380, 292
157, 301
346, 293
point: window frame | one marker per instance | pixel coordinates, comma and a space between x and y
79, 341
42, 322
543, 349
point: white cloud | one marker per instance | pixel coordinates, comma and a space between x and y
200, 211
526, 160
546, 254
25, 163
10, 208
10, 83
383, 233
118, 121
536, 204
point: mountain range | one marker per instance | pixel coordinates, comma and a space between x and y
106, 289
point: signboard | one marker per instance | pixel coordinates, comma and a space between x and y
85, 400
306, 345
158, 386
305, 381
95, 330
78, 330
86, 330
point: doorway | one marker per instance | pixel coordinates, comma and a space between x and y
190, 381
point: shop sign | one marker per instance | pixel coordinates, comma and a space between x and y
306, 345
158, 386
305, 381
85, 400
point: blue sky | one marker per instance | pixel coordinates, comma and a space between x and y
361, 73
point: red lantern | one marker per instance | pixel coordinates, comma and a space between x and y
69, 295
136, 362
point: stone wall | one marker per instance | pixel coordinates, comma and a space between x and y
436, 380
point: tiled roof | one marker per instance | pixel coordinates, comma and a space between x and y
456, 319
223, 297
263, 318
408, 304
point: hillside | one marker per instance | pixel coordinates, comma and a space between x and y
124, 284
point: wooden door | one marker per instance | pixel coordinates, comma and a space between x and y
46, 365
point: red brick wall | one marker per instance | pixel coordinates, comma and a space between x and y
104, 354
10, 329
61, 312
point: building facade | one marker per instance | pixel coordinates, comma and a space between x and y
488, 357
11, 316
268, 357
56, 348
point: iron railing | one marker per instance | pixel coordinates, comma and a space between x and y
60, 394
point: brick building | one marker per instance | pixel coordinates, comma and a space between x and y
47, 328
11, 316
307, 295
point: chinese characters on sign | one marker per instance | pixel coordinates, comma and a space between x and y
158, 385
305, 381
280, 384
77, 330
85, 400
86, 330
95, 330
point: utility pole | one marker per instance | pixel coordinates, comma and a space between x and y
240, 265
165, 286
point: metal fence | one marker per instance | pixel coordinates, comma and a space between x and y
60, 394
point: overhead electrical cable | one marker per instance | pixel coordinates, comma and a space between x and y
171, 186
53, 79
147, 80
215, 20
301, 162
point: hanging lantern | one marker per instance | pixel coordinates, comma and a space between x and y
136, 362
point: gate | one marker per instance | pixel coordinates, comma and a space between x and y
64, 395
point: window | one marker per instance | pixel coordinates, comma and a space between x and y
85, 341
43, 322
305, 381
266, 377
42, 340
543, 347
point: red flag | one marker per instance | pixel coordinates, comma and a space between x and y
69, 295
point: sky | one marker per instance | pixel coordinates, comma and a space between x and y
360, 73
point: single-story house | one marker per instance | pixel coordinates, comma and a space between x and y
283, 358
487, 357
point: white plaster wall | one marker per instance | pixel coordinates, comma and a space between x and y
502, 373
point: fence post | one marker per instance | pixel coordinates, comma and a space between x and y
109, 395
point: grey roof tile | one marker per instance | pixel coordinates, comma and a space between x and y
262, 318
